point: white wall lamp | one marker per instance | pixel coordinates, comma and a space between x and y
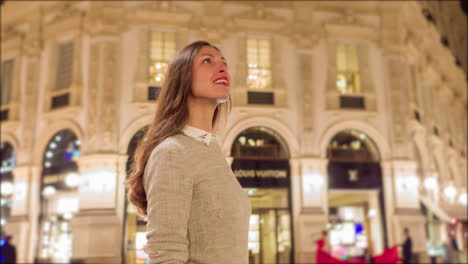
432, 186
463, 199
408, 181
450, 193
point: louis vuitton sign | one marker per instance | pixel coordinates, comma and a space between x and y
261, 173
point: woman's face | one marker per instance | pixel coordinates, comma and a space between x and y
211, 78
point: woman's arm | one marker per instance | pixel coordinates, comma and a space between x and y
169, 194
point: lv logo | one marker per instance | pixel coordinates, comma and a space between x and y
353, 175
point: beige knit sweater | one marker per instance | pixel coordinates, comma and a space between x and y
197, 211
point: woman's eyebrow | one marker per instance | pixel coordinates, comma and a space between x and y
206, 54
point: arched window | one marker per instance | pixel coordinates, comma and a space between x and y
135, 227
260, 164
259, 143
352, 146
59, 196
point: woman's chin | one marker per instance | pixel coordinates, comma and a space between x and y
221, 100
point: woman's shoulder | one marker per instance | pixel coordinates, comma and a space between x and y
173, 144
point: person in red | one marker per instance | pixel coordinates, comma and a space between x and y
323, 256
322, 243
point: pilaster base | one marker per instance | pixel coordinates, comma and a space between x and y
308, 230
97, 236
415, 222
18, 228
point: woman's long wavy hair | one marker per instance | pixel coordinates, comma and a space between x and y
170, 117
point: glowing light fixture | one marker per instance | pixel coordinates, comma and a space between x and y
463, 199
430, 183
72, 180
7, 188
49, 191
450, 192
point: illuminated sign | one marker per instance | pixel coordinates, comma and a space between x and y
261, 173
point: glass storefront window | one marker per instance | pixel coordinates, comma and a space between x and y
136, 237
270, 226
8, 161
348, 235
261, 166
59, 197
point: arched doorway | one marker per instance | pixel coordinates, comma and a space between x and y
261, 165
134, 235
8, 162
355, 197
59, 197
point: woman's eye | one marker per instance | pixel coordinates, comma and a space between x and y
207, 59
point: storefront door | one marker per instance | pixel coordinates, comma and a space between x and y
269, 236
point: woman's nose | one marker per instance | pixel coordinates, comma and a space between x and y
222, 67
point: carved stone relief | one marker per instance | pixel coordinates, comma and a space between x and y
108, 101
30, 103
91, 116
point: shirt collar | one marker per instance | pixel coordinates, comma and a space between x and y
199, 134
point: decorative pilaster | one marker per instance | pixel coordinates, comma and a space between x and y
398, 104
97, 227
23, 222
239, 91
277, 68
103, 94
307, 100
310, 188
406, 209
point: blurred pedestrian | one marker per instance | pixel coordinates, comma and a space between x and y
8, 252
322, 242
451, 250
407, 247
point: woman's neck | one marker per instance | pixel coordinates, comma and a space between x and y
201, 113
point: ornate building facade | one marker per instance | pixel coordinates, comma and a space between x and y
349, 117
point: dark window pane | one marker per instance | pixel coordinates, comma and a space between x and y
260, 98
4, 115
153, 92
353, 102
417, 116
60, 101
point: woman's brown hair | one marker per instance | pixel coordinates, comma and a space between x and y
170, 117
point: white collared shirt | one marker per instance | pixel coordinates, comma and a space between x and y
199, 134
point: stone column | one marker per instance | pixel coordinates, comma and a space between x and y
23, 222
406, 207
388, 188
309, 187
97, 227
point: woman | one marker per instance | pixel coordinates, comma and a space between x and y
180, 181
